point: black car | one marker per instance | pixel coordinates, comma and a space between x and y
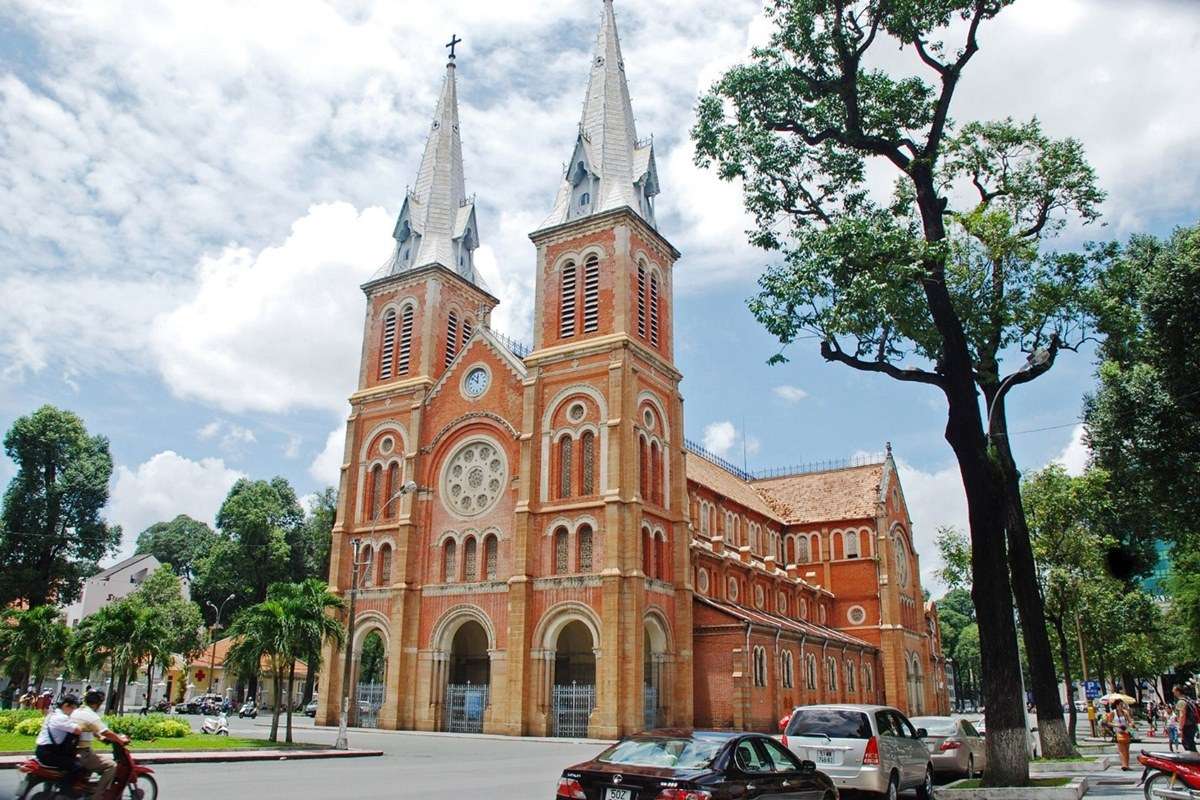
695, 765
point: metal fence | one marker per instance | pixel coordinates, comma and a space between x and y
370, 700
653, 716
573, 706
465, 704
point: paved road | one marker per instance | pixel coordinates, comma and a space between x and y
413, 765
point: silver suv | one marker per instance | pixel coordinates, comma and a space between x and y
866, 748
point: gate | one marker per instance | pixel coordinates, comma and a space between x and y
573, 706
370, 700
465, 705
652, 715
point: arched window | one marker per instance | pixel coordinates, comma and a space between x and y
490, 558
810, 672
644, 469
470, 560
393, 486
587, 472
849, 675
451, 337
802, 554
565, 447
566, 316
584, 199
814, 547
449, 562
468, 328
376, 490
704, 517
641, 300
653, 310
760, 666
366, 560
868, 678
731, 590
385, 565
660, 556
406, 330
647, 553
655, 473
591, 294
831, 674
387, 350
785, 669
584, 537
561, 554
850, 544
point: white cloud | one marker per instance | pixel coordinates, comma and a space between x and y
291, 448
790, 394
935, 499
278, 329
209, 431
719, 437
326, 468
1076, 455
163, 487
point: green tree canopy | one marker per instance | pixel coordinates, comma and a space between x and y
52, 533
32, 641
181, 542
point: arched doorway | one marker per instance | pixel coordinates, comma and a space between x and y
468, 679
371, 681
655, 689
574, 689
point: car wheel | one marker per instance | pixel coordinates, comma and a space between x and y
893, 789
925, 790
970, 767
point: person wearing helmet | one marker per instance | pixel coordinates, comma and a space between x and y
91, 725
57, 741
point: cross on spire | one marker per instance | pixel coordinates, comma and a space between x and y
454, 41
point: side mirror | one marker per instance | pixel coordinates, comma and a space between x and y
807, 767
922, 733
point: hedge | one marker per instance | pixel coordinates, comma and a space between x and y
137, 727
10, 718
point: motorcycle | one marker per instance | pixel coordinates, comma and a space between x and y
1170, 776
248, 709
217, 726
132, 780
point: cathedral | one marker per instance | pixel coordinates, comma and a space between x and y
534, 547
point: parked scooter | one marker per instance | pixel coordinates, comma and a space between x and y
130, 780
248, 709
1170, 776
217, 726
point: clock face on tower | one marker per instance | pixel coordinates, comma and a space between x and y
476, 382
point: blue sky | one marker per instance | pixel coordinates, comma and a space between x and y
190, 195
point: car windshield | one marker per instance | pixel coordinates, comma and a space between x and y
831, 722
673, 753
936, 726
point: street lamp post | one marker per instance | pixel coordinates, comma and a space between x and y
212, 662
343, 740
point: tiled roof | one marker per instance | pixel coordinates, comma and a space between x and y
705, 473
838, 494
786, 624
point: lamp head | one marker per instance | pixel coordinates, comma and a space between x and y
409, 487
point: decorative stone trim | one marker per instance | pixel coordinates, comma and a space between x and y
465, 418
567, 582
452, 589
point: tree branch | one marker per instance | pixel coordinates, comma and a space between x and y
831, 352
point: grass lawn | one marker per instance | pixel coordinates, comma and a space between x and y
11, 743
1036, 782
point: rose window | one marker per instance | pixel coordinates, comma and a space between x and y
474, 478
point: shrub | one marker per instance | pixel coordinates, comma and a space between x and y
10, 718
29, 726
151, 726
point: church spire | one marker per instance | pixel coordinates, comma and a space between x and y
609, 167
437, 223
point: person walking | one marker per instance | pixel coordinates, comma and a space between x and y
1120, 721
1188, 716
1172, 732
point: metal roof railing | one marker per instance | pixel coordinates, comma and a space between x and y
829, 465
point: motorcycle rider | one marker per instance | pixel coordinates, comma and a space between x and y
91, 725
57, 741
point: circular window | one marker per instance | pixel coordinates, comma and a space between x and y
387, 445
821, 614
575, 412
803, 608
473, 478
758, 596
732, 592
648, 419
857, 615
476, 382
782, 603
702, 581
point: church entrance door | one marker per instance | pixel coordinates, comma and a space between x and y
467, 691
574, 693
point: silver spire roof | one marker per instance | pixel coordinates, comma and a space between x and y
609, 167
437, 223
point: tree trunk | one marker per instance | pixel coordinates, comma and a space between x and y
1065, 654
310, 680
277, 685
291, 681
149, 682
252, 686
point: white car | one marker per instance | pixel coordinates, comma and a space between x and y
865, 748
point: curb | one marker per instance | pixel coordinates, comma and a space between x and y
222, 756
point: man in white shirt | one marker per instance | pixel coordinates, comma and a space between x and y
87, 717
56, 741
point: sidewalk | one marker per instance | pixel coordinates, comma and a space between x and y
451, 735
223, 756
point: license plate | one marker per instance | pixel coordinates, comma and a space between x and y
618, 794
823, 756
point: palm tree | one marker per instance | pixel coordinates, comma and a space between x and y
261, 631
310, 606
32, 641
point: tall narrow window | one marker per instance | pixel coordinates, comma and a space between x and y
656, 473
565, 448
468, 329
561, 554
385, 565
470, 563
406, 329
641, 300
490, 558
587, 477
451, 337
387, 350
850, 539
393, 486
644, 470
585, 548
366, 559
376, 490
449, 562
660, 557
591, 294
647, 553
566, 317
653, 310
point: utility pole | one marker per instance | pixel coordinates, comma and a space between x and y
1083, 665
212, 662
